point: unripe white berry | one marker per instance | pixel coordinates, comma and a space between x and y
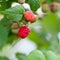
15, 31
15, 25
40, 13
14, 4
26, 6
1, 16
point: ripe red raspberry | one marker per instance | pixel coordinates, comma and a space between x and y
29, 16
23, 31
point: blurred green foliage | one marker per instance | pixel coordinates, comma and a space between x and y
50, 24
21, 56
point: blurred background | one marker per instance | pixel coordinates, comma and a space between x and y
44, 35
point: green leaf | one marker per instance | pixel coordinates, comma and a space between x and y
11, 38
3, 6
50, 1
6, 23
50, 55
39, 38
50, 23
4, 31
41, 1
34, 37
15, 13
34, 4
3, 36
58, 56
3, 58
57, 14
36, 55
21, 56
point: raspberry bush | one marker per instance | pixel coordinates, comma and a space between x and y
18, 20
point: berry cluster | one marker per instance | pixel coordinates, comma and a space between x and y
23, 31
28, 16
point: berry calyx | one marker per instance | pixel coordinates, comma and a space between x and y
29, 16
23, 31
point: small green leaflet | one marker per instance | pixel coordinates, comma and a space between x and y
3, 58
36, 55
14, 13
21, 56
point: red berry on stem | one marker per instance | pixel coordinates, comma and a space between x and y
23, 31
29, 16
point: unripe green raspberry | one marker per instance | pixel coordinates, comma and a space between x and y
14, 25
45, 7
